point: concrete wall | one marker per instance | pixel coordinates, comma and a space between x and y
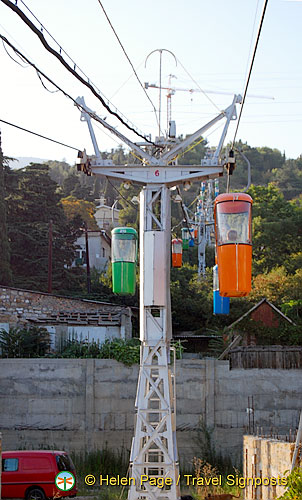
266, 458
78, 404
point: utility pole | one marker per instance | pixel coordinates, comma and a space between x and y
154, 449
87, 259
50, 237
205, 220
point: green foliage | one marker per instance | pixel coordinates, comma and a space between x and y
33, 201
105, 462
193, 155
190, 298
277, 234
264, 161
5, 270
277, 286
294, 485
208, 452
24, 342
284, 334
125, 351
292, 308
289, 178
216, 345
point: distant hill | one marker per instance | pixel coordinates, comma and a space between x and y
23, 161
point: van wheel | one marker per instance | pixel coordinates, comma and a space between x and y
35, 494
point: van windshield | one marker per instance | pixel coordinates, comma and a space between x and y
64, 462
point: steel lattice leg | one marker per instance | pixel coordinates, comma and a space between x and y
154, 453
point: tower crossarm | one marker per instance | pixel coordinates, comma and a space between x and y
229, 113
161, 174
143, 154
161, 158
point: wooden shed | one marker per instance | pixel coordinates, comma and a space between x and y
264, 313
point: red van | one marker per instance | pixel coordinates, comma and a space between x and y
32, 474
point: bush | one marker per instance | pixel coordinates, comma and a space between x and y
31, 342
294, 485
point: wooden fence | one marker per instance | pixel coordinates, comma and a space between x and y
274, 356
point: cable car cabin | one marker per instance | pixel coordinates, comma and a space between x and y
176, 252
233, 217
221, 305
191, 240
185, 234
124, 258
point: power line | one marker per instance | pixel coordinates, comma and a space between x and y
79, 106
38, 135
121, 195
251, 67
17, 62
40, 35
196, 83
128, 59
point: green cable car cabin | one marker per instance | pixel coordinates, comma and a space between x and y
124, 260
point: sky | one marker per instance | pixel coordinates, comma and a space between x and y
212, 41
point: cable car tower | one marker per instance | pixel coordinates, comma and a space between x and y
154, 450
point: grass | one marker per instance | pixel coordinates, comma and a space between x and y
100, 462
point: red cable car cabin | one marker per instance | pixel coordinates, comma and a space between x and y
233, 218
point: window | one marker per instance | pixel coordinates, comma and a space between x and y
10, 464
124, 250
234, 223
64, 462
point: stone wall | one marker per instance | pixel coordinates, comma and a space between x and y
265, 459
78, 404
23, 307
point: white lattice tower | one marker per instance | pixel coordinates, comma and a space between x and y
154, 451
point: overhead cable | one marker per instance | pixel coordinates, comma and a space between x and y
79, 106
66, 65
251, 67
183, 207
39, 135
128, 59
121, 195
196, 83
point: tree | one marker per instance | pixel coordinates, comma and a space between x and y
59, 170
277, 234
80, 209
32, 202
277, 286
190, 299
263, 162
5, 270
289, 178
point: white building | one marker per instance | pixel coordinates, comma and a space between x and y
99, 246
106, 217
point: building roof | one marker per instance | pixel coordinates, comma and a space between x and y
264, 300
80, 318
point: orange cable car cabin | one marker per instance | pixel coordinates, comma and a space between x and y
233, 230
176, 252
